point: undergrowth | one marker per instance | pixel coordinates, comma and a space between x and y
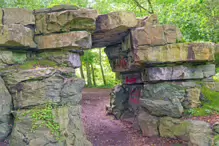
44, 117
209, 106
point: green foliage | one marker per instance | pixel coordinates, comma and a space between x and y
208, 107
37, 63
44, 117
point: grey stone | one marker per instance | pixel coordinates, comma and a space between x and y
69, 40
174, 128
192, 99
181, 72
200, 134
71, 91
148, 124
71, 128
38, 86
16, 35
5, 111
119, 100
163, 99
18, 16
112, 27
197, 133
65, 20
8, 57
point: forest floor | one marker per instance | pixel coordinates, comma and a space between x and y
104, 130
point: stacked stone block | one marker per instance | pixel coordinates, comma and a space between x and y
39, 52
161, 76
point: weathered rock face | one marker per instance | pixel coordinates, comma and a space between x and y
16, 35
179, 72
5, 111
8, 57
148, 124
163, 99
198, 133
39, 86
173, 53
71, 40
174, 128
119, 101
193, 98
111, 28
68, 117
18, 16
65, 20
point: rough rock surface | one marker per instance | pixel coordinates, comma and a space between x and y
16, 35
42, 85
119, 101
18, 16
198, 133
195, 52
8, 57
148, 124
70, 40
112, 27
71, 128
65, 21
181, 72
5, 111
192, 99
174, 128
163, 99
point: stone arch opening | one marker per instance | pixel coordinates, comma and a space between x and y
161, 75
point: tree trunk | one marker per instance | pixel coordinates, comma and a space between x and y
101, 67
89, 83
93, 75
82, 72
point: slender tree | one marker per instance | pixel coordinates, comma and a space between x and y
82, 72
101, 67
93, 75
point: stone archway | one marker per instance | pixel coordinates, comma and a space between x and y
35, 69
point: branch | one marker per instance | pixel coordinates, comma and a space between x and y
140, 6
151, 7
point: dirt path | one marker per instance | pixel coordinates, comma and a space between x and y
103, 130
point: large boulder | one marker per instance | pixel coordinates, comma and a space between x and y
174, 128
67, 120
18, 16
171, 53
119, 100
64, 20
148, 124
5, 111
197, 133
41, 85
163, 99
200, 134
112, 27
16, 35
70, 40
